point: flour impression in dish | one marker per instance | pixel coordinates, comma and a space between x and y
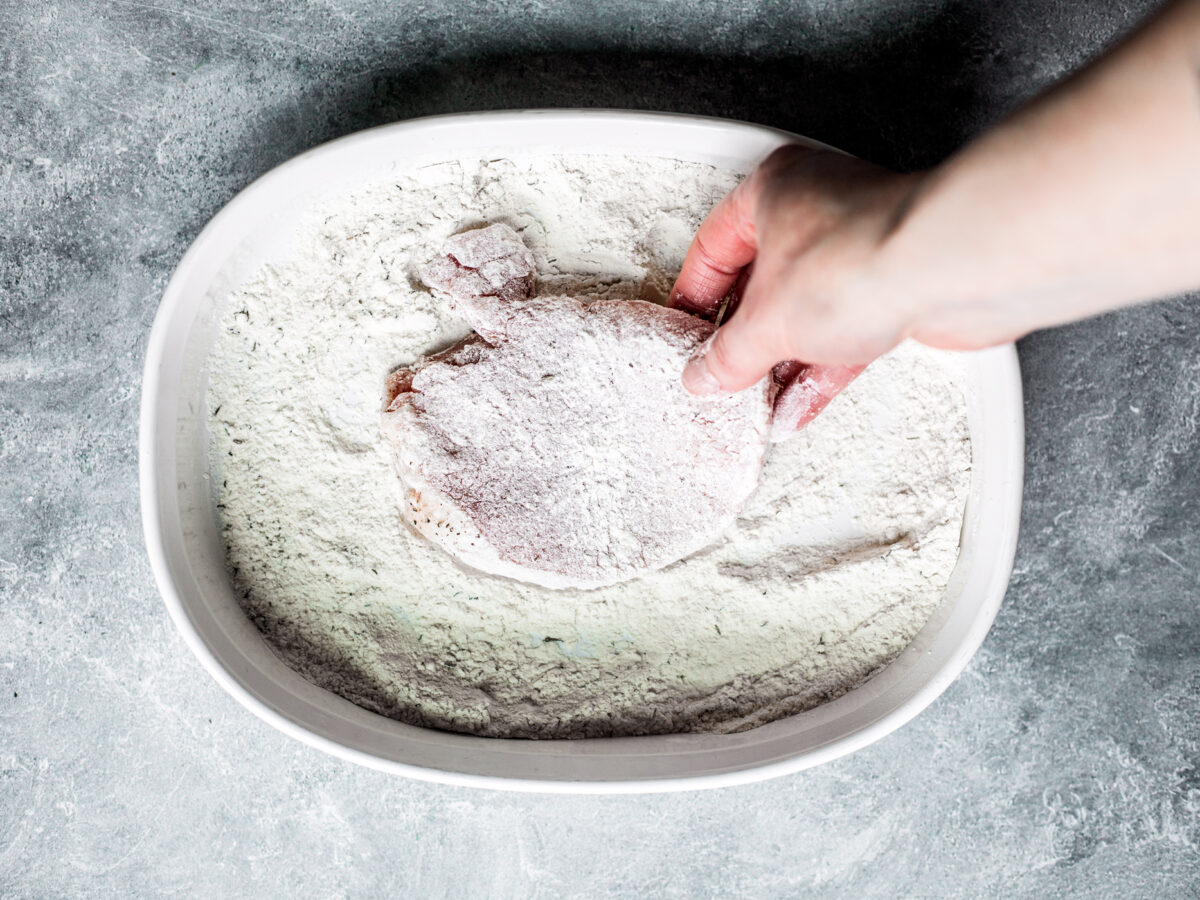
837, 561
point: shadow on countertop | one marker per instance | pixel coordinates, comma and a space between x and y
907, 98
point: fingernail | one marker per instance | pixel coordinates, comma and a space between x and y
698, 380
682, 301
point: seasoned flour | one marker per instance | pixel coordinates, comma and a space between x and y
836, 563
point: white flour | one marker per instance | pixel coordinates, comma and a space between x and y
837, 562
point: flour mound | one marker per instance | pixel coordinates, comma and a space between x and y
832, 567
557, 445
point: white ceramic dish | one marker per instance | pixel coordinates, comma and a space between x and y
187, 557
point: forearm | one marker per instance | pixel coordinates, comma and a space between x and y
1087, 199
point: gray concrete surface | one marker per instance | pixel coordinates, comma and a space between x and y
1063, 763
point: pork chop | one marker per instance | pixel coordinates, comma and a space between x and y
556, 445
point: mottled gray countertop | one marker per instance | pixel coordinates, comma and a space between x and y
1064, 762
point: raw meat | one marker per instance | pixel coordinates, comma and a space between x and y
557, 445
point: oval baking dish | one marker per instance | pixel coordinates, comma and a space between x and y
188, 559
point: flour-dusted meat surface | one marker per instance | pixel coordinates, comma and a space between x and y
557, 445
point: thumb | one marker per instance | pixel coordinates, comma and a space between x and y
740, 353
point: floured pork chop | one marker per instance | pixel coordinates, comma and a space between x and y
557, 445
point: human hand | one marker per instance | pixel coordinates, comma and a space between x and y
799, 238
1085, 200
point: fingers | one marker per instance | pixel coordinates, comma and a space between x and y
803, 227
806, 395
740, 353
723, 246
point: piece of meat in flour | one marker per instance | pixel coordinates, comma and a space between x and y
556, 445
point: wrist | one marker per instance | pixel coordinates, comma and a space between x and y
898, 274
944, 265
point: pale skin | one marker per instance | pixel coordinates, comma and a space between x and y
1085, 200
